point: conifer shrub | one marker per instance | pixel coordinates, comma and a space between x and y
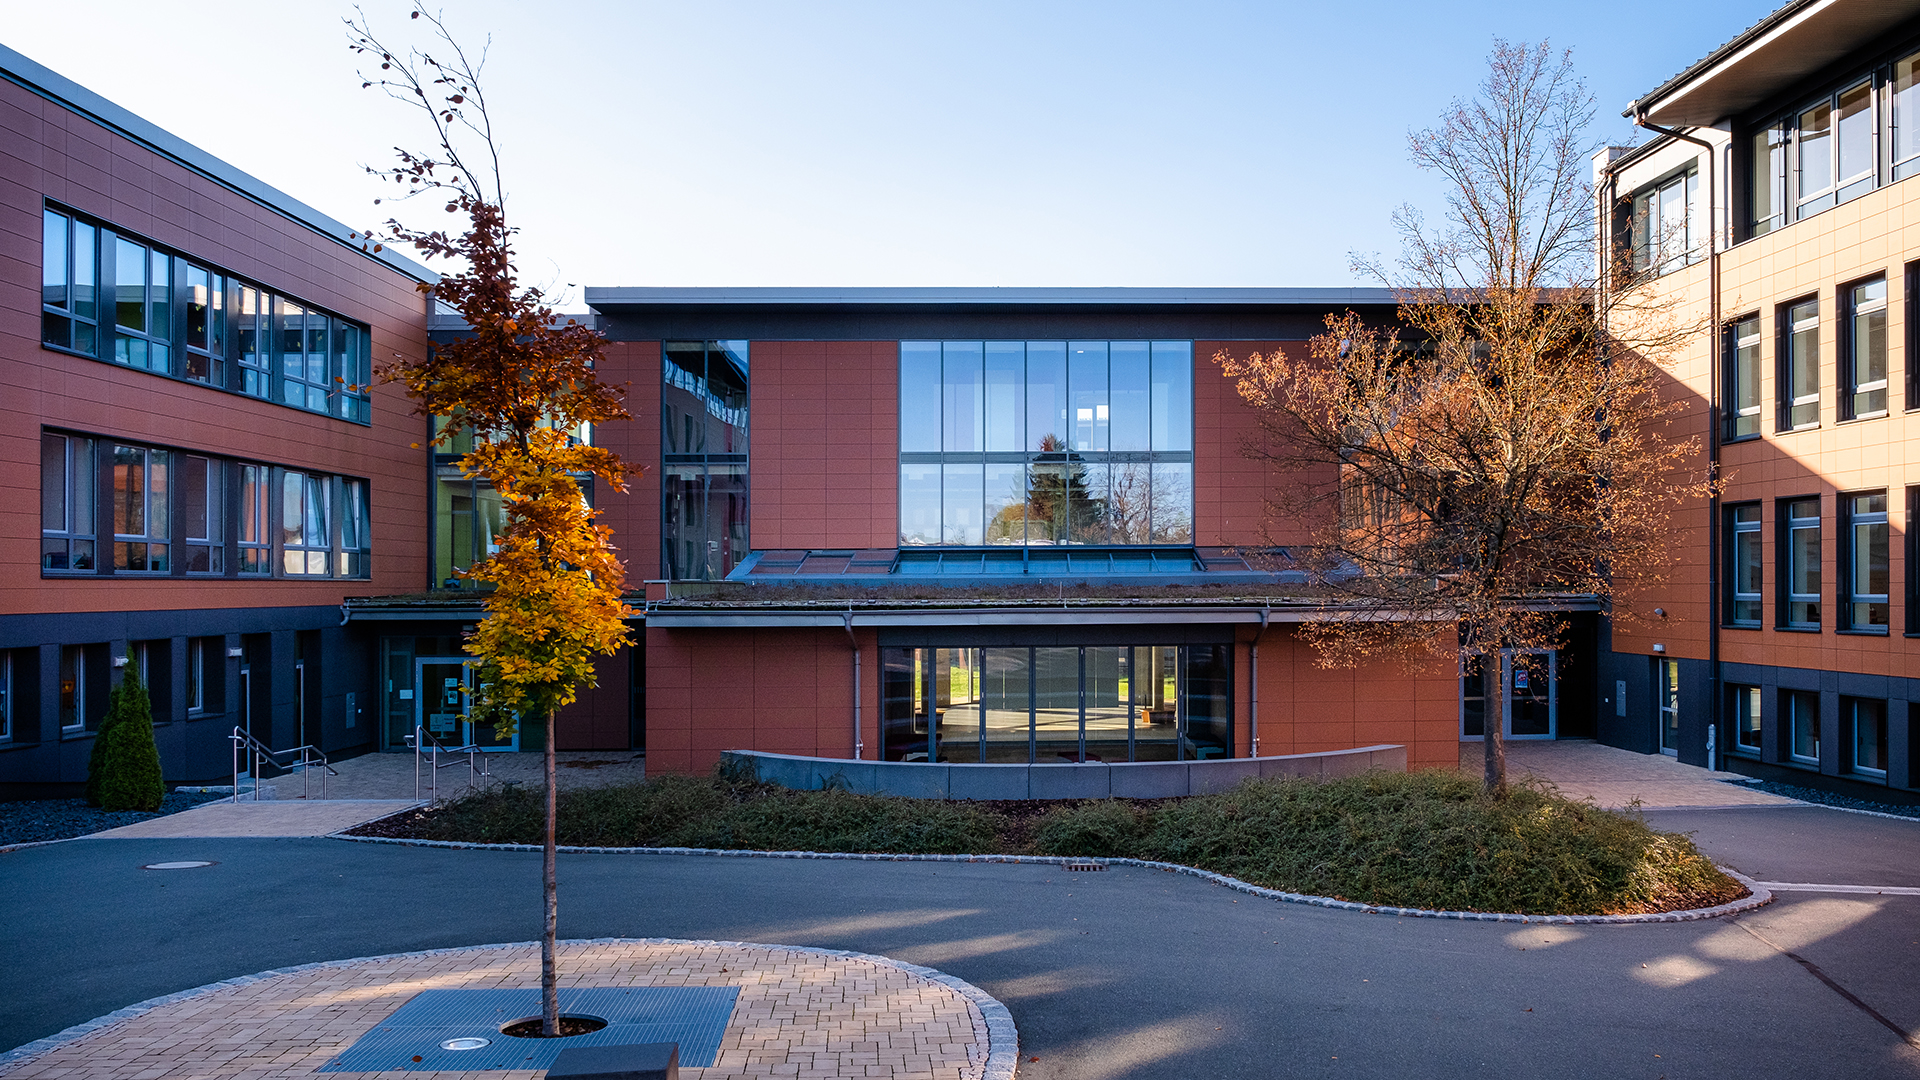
126, 761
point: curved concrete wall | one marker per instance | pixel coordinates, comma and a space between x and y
1092, 780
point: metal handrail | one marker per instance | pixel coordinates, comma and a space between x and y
426, 743
260, 755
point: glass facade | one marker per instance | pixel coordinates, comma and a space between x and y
703, 459
1046, 442
1052, 704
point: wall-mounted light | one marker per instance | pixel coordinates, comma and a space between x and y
1660, 611
1659, 648
120, 660
236, 652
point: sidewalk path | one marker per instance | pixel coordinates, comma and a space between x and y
800, 1014
392, 776
1613, 778
271, 818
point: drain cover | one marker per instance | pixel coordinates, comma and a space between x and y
438, 1026
1084, 866
190, 865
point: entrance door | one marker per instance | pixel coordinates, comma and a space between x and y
1666, 684
440, 705
1529, 701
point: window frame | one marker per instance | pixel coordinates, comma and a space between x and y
1744, 703
1788, 361
1786, 524
1735, 529
7, 694
79, 460
1738, 416
78, 654
1850, 710
1848, 350
1643, 212
1791, 715
72, 259
1851, 520
156, 511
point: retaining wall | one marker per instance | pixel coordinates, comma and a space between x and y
1091, 780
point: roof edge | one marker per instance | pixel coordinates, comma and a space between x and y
652, 296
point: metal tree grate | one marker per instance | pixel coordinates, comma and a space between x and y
410, 1039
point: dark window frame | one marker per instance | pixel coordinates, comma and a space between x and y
1850, 707
1786, 356
1846, 598
1784, 528
1846, 361
1739, 696
1730, 379
1733, 530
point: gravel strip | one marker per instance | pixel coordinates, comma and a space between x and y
1828, 798
63, 819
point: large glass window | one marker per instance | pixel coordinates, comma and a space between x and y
354, 558
1668, 229
1867, 717
6, 697
1057, 703
1768, 208
1800, 572
67, 521
141, 523
199, 491
1743, 565
1863, 364
1867, 560
1743, 378
1046, 442
1800, 366
175, 317
255, 541
703, 448
73, 687
305, 540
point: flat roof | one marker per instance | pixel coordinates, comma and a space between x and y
603, 297
1791, 44
57, 88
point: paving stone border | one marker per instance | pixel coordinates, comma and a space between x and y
1760, 896
1003, 1040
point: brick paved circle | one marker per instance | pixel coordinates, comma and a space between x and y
802, 1013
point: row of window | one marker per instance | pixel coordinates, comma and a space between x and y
1856, 137
119, 298
1863, 738
1863, 563
83, 679
112, 507
1860, 344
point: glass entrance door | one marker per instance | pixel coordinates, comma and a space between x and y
1666, 675
440, 705
1529, 705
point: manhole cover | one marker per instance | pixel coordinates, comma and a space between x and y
472, 1042
189, 865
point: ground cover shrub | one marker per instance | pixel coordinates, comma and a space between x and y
1425, 839
124, 768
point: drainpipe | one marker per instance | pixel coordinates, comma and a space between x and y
1715, 348
859, 748
1253, 681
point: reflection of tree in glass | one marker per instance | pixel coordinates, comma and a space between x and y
1130, 503
1172, 504
1058, 503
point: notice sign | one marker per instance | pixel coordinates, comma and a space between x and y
441, 722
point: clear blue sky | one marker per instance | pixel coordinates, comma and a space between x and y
887, 143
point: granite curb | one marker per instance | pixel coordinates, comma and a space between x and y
1759, 898
1003, 1039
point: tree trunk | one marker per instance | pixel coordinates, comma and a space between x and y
1493, 740
549, 978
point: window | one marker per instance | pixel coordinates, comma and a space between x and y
1743, 378
69, 264
1912, 539
1833, 157
1743, 709
1903, 129
256, 545
1046, 442
1827, 151
1668, 230
6, 697
73, 687
140, 520
66, 503
1666, 681
1867, 719
199, 493
1863, 362
1800, 574
142, 311
1743, 565
703, 446
304, 537
206, 337
1867, 559
175, 317
1768, 206
197, 675
356, 539
1802, 709
1800, 366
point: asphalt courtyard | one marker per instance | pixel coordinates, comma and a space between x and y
1121, 973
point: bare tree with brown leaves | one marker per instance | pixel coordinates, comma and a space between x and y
1503, 450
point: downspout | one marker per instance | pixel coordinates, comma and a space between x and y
1253, 682
1715, 349
859, 748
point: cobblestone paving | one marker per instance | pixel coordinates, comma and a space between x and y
391, 776
1612, 777
272, 818
800, 1014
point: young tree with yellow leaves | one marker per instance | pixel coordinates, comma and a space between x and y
523, 383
